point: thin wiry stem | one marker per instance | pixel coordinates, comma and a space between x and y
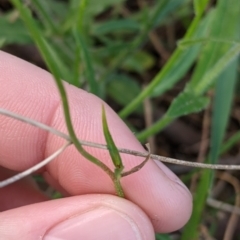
34, 168
33, 123
52, 130
223, 206
137, 168
122, 150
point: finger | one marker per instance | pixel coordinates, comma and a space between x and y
83, 217
21, 193
31, 92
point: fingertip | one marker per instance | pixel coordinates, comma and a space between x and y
162, 195
82, 217
180, 204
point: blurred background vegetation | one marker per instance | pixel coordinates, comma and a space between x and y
170, 68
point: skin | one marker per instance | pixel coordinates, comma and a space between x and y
156, 200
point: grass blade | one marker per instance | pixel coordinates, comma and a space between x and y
221, 111
78, 34
226, 15
210, 77
167, 68
185, 103
159, 14
199, 6
42, 9
89, 71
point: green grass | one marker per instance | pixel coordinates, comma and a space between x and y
89, 45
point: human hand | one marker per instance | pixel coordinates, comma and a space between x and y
156, 198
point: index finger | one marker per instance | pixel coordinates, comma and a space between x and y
31, 92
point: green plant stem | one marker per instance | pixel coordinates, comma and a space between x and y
207, 80
114, 153
89, 71
46, 53
78, 34
76, 70
47, 20
118, 187
154, 128
230, 143
150, 88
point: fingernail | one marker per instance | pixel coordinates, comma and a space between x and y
99, 223
170, 174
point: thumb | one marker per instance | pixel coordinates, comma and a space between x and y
80, 217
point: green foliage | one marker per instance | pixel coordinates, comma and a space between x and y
216, 59
100, 47
186, 103
221, 109
116, 26
163, 237
199, 6
13, 31
96, 7
138, 62
2, 42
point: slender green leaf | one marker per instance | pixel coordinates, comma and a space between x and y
221, 109
226, 26
186, 102
82, 47
190, 231
80, 17
77, 61
57, 66
230, 142
89, 71
44, 13
167, 68
160, 12
210, 76
156, 127
198, 86
194, 41
115, 25
116, 158
183, 61
223, 99
199, 6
